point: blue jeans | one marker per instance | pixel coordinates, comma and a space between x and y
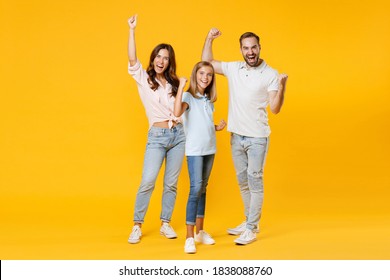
199, 169
168, 144
249, 155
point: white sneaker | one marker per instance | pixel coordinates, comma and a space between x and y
246, 237
167, 231
239, 229
189, 246
135, 235
204, 237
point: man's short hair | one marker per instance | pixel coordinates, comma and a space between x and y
249, 35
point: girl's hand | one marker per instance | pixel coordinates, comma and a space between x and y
220, 126
182, 82
133, 21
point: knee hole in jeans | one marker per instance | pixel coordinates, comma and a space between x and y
256, 174
256, 183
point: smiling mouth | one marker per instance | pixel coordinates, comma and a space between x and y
252, 60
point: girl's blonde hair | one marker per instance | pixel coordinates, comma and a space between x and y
211, 90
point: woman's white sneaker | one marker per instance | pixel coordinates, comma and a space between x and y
135, 235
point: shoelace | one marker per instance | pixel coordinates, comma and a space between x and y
168, 227
136, 232
246, 233
190, 241
206, 234
243, 224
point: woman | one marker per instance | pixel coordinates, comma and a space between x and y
157, 87
197, 107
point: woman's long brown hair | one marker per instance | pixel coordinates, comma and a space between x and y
169, 73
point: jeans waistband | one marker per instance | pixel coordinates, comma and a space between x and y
176, 128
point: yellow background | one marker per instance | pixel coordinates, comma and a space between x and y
73, 129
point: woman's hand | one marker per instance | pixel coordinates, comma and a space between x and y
133, 21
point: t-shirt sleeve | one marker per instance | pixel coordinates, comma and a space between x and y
225, 68
230, 68
187, 98
274, 82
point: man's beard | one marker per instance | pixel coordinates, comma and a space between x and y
252, 63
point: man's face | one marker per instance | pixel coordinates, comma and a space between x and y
250, 50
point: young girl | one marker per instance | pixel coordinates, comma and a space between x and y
157, 87
197, 106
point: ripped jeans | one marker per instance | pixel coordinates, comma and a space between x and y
249, 155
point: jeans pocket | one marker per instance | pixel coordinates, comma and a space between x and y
261, 141
155, 132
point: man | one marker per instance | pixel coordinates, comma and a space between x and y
253, 85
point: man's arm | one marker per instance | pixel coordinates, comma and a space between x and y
207, 53
277, 97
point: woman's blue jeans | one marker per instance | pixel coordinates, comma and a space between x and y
168, 144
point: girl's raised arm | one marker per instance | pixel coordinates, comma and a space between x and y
180, 107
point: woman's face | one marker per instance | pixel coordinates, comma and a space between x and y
161, 61
204, 76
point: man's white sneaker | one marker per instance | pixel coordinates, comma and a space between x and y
239, 229
135, 235
246, 237
204, 237
189, 246
167, 231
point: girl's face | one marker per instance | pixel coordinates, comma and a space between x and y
161, 61
204, 77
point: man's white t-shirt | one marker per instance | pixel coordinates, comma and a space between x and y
249, 97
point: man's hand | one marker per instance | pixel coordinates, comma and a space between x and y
283, 79
214, 33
